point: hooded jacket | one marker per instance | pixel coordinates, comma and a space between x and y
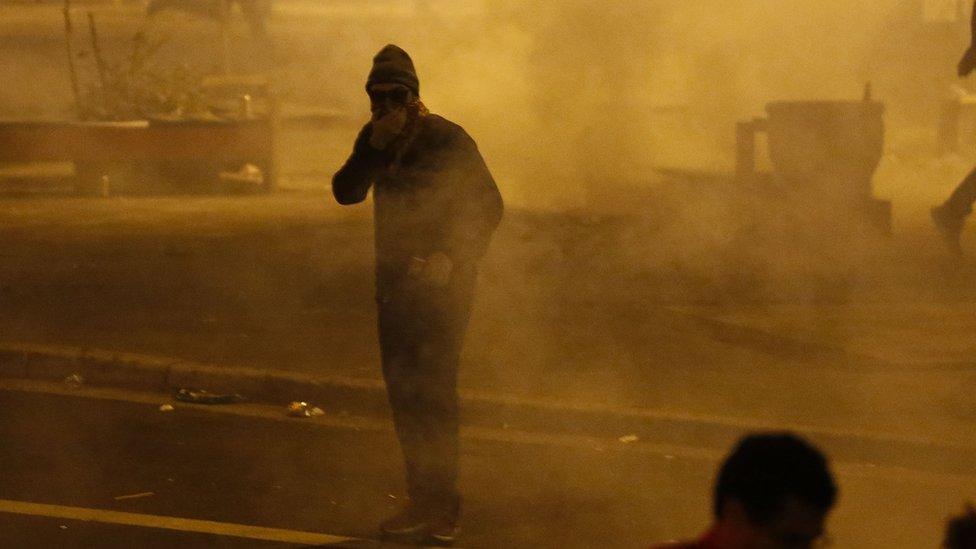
432, 192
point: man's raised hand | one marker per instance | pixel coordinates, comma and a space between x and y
386, 127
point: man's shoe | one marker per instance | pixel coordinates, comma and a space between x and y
444, 531
410, 526
949, 226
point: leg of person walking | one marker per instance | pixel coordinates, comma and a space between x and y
950, 217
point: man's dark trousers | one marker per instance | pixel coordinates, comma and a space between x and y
421, 329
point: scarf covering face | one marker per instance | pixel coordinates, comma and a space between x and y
416, 110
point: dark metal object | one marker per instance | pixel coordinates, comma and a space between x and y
823, 152
95, 148
832, 146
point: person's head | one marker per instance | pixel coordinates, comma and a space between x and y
961, 530
776, 489
392, 82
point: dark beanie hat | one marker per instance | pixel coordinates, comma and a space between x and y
392, 65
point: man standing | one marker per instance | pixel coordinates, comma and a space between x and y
950, 217
435, 209
773, 492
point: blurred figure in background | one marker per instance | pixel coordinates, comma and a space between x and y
950, 217
255, 12
961, 530
773, 491
435, 209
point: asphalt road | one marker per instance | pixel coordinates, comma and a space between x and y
32, 531
134, 469
340, 480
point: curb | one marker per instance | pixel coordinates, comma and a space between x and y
137, 372
367, 397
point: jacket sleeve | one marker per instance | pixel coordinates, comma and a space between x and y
477, 207
351, 183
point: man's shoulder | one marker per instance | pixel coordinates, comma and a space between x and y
436, 122
440, 129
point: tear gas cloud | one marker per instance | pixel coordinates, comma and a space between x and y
592, 283
567, 96
573, 98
